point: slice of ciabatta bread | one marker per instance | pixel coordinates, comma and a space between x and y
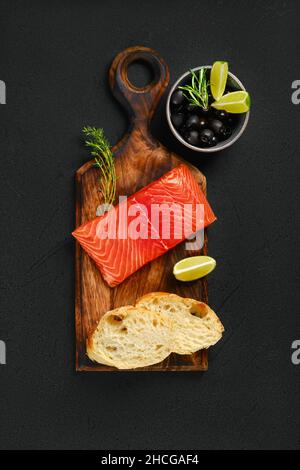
195, 324
160, 323
130, 337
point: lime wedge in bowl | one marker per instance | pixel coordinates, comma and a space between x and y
194, 267
235, 102
218, 79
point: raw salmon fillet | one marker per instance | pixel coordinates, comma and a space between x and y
146, 225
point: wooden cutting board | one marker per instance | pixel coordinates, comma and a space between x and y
139, 159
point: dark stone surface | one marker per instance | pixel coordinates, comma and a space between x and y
54, 59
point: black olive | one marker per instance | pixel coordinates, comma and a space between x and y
206, 137
193, 121
216, 126
177, 119
202, 122
182, 131
177, 97
230, 120
191, 108
179, 109
221, 114
192, 137
205, 112
214, 141
226, 132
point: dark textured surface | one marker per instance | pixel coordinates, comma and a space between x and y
54, 57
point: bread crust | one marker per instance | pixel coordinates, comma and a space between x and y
201, 308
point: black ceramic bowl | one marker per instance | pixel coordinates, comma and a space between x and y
241, 120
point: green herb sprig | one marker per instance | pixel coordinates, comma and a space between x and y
197, 93
104, 160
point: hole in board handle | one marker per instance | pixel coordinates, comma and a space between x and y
140, 73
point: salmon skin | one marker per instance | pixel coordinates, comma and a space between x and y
145, 225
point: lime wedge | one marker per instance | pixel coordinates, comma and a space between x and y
218, 79
235, 102
190, 269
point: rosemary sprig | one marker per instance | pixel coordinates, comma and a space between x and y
197, 93
104, 160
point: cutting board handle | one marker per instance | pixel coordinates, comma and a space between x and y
139, 102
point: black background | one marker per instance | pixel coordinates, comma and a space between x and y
54, 57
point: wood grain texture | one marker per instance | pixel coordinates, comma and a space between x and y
139, 159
